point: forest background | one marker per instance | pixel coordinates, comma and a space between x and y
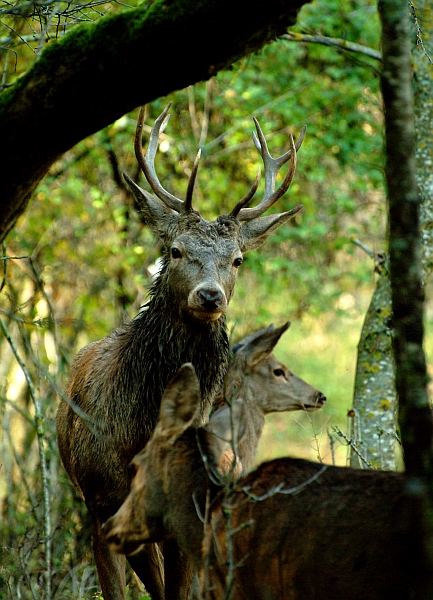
85, 260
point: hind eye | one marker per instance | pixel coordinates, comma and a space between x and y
176, 253
238, 261
279, 373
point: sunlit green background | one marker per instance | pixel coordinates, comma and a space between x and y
92, 258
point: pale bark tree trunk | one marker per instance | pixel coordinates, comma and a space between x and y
374, 401
422, 56
376, 420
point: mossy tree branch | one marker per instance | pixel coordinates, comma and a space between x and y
98, 72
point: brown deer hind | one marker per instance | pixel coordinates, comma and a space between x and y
291, 529
256, 384
118, 381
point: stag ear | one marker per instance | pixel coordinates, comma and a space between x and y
225, 424
260, 345
179, 403
255, 232
158, 217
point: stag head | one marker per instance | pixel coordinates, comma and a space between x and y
201, 258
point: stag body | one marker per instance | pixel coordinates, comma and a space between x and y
118, 381
292, 529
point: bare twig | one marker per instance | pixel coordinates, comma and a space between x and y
95, 427
352, 444
366, 249
279, 489
44, 30
315, 434
260, 110
23, 565
46, 20
192, 113
21, 469
378, 257
206, 113
419, 31
41, 286
3, 282
293, 36
13, 257
393, 434
42, 457
331, 445
331, 107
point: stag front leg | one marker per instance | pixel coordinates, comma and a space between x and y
110, 566
148, 565
178, 571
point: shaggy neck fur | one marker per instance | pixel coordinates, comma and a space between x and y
159, 340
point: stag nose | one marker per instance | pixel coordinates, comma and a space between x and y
321, 399
210, 299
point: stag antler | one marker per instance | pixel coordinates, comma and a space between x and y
147, 162
272, 166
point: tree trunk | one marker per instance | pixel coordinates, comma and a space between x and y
422, 56
404, 240
374, 400
99, 72
370, 419
405, 270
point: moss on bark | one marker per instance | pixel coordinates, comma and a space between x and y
100, 71
374, 399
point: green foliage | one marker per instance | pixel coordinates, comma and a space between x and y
26, 28
91, 257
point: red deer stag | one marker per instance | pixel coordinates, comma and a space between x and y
118, 382
291, 529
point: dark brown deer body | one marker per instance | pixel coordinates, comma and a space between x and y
118, 381
347, 533
292, 529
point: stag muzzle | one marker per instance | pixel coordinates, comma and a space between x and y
207, 302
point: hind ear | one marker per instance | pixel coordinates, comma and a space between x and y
158, 217
250, 338
180, 402
260, 345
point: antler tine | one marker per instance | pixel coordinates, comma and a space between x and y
234, 213
272, 166
285, 157
191, 182
147, 161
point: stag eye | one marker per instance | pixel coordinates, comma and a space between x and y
176, 253
279, 373
238, 261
